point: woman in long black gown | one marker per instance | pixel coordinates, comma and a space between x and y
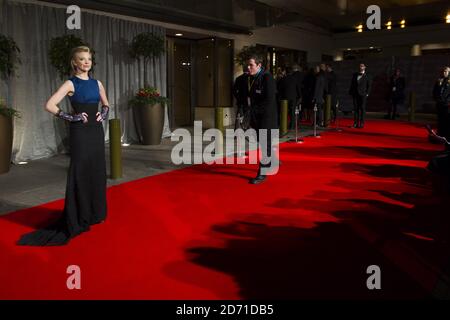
85, 202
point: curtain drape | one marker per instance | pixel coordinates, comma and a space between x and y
37, 134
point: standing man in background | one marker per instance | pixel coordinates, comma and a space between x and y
397, 86
332, 90
299, 77
240, 93
441, 95
360, 89
287, 90
320, 91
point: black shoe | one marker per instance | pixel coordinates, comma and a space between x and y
258, 179
355, 125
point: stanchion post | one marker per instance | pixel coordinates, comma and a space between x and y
412, 107
327, 112
283, 117
337, 117
315, 119
115, 148
218, 121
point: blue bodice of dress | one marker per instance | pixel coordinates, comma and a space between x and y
86, 96
86, 91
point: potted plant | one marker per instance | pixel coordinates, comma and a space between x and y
59, 53
149, 108
145, 46
9, 59
245, 52
148, 105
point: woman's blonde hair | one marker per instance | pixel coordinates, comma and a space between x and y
73, 67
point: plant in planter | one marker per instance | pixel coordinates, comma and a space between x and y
59, 53
148, 105
9, 59
245, 52
145, 46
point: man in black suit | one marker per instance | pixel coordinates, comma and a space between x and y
287, 90
240, 93
263, 109
320, 91
360, 90
441, 95
299, 76
397, 86
332, 89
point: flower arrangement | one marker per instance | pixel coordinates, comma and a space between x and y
148, 96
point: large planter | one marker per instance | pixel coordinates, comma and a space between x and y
150, 123
6, 139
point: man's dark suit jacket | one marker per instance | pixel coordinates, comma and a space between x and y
362, 86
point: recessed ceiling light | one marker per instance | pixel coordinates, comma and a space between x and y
179, 34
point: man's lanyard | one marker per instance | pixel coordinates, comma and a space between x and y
250, 85
444, 84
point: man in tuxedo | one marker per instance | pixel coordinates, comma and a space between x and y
320, 91
360, 89
299, 77
287, 90
441, 95
397, 86
332, 89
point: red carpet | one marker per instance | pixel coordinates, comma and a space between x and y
337, 205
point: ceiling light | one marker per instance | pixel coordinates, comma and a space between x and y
179, 34
447, 18
389, 25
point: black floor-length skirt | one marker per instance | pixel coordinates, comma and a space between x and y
85, 202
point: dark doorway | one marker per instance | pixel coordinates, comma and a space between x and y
200, 74
180, 66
